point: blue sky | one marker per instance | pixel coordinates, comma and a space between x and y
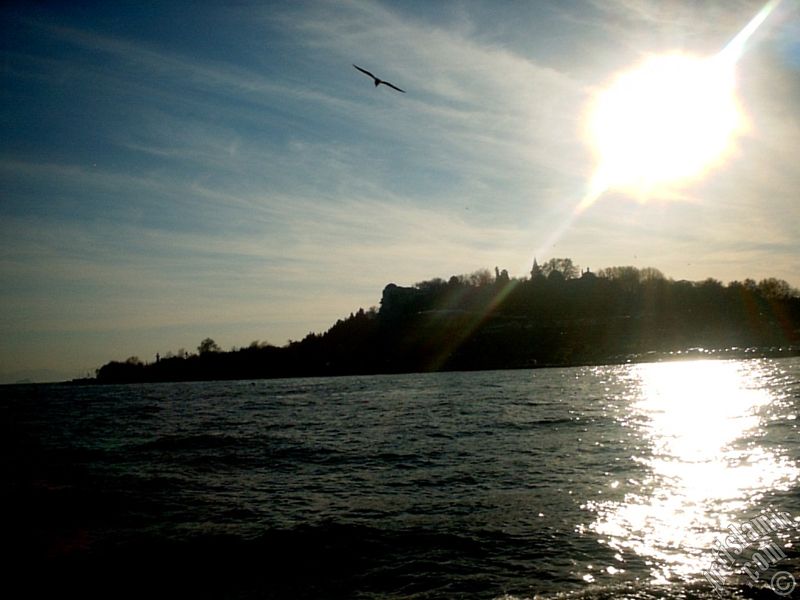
176, 171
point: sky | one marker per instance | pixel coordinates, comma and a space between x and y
176, 171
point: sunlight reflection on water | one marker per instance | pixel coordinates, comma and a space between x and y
704, 423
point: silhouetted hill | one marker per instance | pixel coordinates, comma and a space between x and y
485, 322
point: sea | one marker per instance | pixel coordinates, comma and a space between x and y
639, 481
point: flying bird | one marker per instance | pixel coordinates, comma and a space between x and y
379, 81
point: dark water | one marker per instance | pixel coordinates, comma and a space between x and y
604, 482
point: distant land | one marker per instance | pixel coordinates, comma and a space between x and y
559, 316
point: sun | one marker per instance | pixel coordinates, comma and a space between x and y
669, 120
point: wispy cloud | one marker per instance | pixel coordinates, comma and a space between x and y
159, 189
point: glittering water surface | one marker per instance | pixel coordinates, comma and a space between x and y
597, 482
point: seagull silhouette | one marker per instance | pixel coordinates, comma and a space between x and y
379, 81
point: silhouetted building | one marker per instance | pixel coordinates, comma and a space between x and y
536, 271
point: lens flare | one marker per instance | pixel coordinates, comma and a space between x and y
669, 120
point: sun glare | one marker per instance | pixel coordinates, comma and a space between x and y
667, 121
670, 119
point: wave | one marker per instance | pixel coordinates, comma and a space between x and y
643, 591
203, 441
308, 561
336, 560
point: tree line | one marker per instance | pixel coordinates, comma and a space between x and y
559, 315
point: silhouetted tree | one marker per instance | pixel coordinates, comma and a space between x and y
750, 285
480, 278
650, 274
208, 346
484, 320
773, 288
564, 266
628, 276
